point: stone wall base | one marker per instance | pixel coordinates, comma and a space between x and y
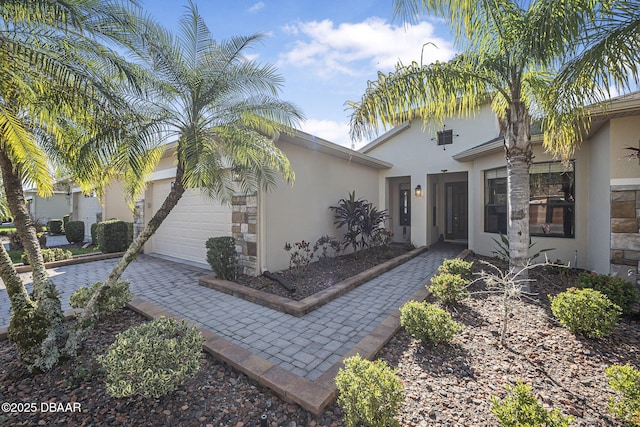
244, 229
625, 232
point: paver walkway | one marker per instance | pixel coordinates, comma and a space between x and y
307, 346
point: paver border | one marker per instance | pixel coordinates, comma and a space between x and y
78, 259
312, 302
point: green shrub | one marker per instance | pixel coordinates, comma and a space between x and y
74, 231
621, 292
585, 311
50, 255
625, 380
113, 299
113, 236
94, 234
129, 233
457, 266
222, 257
65, 220
370, 393
449, 288
427, 322
521, 409
152, 359
54, 226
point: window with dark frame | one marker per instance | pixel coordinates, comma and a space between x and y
551, 204
445, 137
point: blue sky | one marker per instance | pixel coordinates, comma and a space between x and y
326, 50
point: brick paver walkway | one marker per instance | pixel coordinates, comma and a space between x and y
306, 346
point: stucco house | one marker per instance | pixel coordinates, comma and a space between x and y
587, 210
263, 222
439, 182
43, 209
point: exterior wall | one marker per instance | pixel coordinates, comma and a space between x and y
599, 218
244, 230
564, 249
44, 209
114, 205
625, 231
625, 199
415, 153
291, 214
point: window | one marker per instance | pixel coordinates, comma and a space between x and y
445, 137
551, 205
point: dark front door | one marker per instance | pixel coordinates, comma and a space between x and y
456, 211
405, 205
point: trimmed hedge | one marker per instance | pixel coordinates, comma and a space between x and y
222, 257
54, 226
65, 219
94, 234
75, 231
113, 236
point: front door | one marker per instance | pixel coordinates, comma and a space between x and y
456, 211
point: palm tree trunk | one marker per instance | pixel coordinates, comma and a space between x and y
84, 320
37, 325
519, 155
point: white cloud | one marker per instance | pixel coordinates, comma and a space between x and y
256, 7
332, 131
354, 49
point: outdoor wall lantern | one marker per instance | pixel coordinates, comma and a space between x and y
418, 190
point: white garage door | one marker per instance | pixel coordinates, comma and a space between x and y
88, 210
190, 224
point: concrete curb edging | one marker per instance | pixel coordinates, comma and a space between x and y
78, 259
310, 303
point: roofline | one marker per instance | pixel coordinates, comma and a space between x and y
492, 146
385, 137
314, 143
630, 101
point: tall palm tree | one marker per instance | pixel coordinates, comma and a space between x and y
531, 59
56, 76
221, 111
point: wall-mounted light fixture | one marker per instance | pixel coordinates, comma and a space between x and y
418, 190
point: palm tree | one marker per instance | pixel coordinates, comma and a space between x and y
531, 59
59, 97
221, 110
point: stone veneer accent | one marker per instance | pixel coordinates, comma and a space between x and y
244, 229
625, 231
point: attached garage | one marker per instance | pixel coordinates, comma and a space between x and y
190, 224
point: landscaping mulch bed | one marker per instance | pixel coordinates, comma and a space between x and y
451, 385
218, 396
447, 385
324, 273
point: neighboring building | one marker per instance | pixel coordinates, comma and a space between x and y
43, 209
440, 183
85, 208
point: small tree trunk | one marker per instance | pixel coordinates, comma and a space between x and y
87, 316
519, 155
37, 325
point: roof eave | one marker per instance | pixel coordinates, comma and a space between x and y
314, 143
